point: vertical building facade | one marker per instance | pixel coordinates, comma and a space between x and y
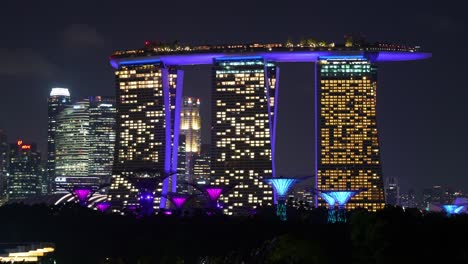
242, 134
348, 153
4, 159
72, 145
58, 99
147, 132
102, 127
190, 126
392, 191
24, 171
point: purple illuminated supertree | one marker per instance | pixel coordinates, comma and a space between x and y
103, 206
82, 194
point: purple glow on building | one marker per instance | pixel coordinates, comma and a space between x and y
316, 134
175, 147
275, 115
214, 193
179, 201
103, 206
276, 56
82, 194
167, 153
167, 212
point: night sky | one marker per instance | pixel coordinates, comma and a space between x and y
422, 109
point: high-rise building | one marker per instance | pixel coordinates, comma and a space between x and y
102, 113
24, 171
182, 175
348, 153
202, 168
392, 191
190, 126
242, 135
408, 200
148, 105
72, 143
4, 156
59, 98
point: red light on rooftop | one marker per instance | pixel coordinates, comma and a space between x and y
147, 43
26, 147
19, 142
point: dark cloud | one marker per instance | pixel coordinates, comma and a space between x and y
82, 36
25, 62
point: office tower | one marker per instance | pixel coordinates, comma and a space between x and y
201, 168
148, 105
392, 191
182, 175
24, 171
59, 98
72, 141
3, 163
242, 135
102, 126
190, 126
408, 199
348, 153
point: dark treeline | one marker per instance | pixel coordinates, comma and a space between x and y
389, 236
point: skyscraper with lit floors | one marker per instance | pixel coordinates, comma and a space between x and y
58, 99
148, 100
24, 171
348, 152
242, 135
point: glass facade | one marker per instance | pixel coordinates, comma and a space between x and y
25, 171
72, 145
102, 113
243, 101
190, 127
348, 153
58, 99
145, 136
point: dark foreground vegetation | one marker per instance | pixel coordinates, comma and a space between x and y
389, 236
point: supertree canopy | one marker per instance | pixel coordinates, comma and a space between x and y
451, 209
281, 186
340, 198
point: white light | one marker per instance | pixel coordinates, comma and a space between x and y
105, 105
59, 92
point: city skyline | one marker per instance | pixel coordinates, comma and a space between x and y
407, 120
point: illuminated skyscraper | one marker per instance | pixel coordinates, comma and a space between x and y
348, 153
242, 135
201, 168
24, 171
392, 191
72, 144
190, 126
148, 120
3, 163
59, 98
102, 113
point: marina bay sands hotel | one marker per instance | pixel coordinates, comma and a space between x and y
244, 106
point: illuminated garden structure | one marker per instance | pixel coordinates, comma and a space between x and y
340, 198
103, 206
281, 185
452, 209
82, 194
245, 90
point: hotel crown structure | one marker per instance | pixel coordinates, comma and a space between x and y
244, 105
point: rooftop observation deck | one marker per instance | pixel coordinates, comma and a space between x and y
179, 55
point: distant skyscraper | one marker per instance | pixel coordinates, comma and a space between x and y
4, 156
72, 144
242, 134
408, 200
148, 105
190, 126
59, 98
348, 149
24, 171
201, 168
102, 126
392, 191
182, 175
